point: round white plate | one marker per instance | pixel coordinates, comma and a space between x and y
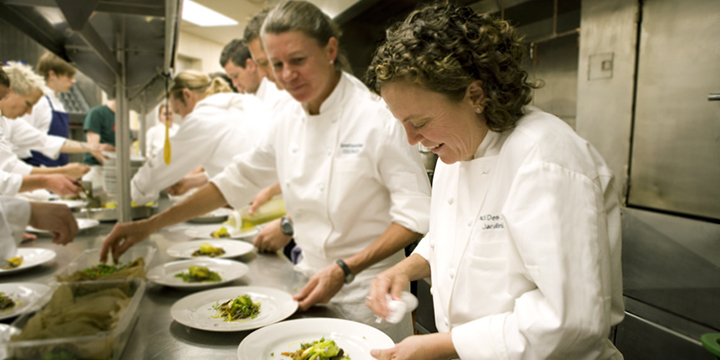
354, 338
229, 270
203, 232
31, 257
196, 310
233, 248
83, 224
215, 216
23, 294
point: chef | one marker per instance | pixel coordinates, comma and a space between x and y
155, 136
358, 193
49, 115
217, 125
524, 243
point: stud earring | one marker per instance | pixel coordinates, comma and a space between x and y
332, 62
478, 109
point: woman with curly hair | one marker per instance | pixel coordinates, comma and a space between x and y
524, 242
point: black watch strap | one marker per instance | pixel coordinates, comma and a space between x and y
349, 276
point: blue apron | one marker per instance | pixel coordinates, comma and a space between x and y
59, 126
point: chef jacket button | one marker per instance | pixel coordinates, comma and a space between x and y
469, 223
446, 321
450, 200
452, 273
486, 169
432, 243
329, 152
321, 187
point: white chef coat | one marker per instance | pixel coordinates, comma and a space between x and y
155, 138
274, 98
41, 118
346, 175
524, 247
17, 137
220, 127
14, 217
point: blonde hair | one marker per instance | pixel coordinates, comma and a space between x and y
22, 78
197, 82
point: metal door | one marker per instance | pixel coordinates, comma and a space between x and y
675, 162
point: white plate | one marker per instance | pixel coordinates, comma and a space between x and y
83, 224
233, 248
31, 257
23, 294
354, 338
229, 270
196, 310
203, 232
73, 204
215, 216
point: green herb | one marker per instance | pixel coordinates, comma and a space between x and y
318, 350
238, 308
6, 303
199, 274
101, 270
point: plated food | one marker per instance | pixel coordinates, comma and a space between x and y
199, 310
207, 232
318, 350
354, 338
197, 273
209, 250
13, 262
239, 308
194, 249
31, 257
17, 298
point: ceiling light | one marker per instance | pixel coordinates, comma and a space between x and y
202, 16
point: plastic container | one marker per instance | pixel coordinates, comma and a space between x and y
91, 257
102, 345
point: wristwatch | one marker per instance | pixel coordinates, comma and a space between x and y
286, 226
349, 276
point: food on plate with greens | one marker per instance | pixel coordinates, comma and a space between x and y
220, 233
132, 269
198, 273
13, 263
6, 303
208, 250
238, 308
318, 350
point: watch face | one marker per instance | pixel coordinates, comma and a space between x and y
286, 227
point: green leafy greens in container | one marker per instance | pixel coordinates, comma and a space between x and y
238, 308
318, 350
198, 273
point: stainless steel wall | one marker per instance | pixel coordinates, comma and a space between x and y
556, 63
605, 98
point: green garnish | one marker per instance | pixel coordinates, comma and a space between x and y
238, 308
6, 303
199, 274
318, 350
101, 270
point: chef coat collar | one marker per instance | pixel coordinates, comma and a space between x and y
490, 138
333, 101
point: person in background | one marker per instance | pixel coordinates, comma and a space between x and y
49, 115
99, 128
17, 213
239, 66
358, 193
155, 136
4, 83
217, 125
524, 242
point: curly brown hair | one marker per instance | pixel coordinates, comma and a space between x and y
446, 47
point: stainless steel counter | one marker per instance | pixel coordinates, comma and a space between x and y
156, 335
